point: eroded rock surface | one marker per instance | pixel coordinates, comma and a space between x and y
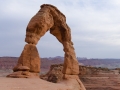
30, 58
48, 18
28, 63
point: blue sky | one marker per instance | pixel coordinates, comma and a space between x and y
95, 27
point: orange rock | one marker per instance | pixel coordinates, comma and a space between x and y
21, 68
47, 18
29, 58
50, 18
29, 61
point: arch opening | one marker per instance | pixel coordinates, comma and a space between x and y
48, 18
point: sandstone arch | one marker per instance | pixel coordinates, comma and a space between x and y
47, 18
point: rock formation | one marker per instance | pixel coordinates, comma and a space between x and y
28, 63
50, 18
55, 73
47, 18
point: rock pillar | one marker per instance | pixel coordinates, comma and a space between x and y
28, 61
71, 66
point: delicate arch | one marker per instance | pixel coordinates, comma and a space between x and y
47, 18
50, 18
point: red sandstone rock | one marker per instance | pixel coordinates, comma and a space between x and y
48, 18
29, 58
28, 62
23, 74
21, 68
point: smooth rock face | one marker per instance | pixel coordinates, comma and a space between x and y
37, 84
23, 74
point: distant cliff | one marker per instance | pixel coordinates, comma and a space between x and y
10, 62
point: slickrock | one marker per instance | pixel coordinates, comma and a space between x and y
37, 84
